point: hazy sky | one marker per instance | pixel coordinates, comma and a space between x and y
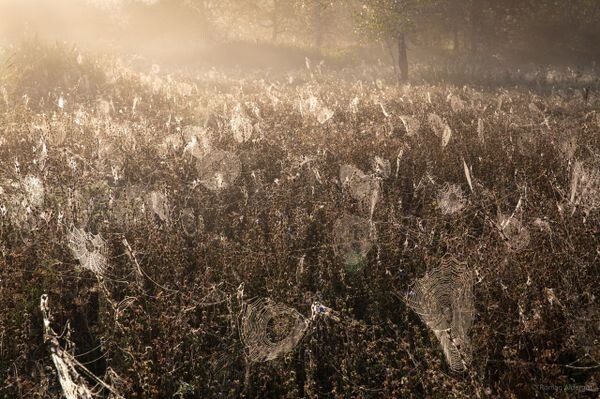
61, 19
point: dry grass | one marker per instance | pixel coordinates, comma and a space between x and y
131, 157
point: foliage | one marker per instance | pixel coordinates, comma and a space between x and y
385, 19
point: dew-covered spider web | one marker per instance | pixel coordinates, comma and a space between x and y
34, 191
568, 147
382, 167
70, 371
21, 201
90, 250
411, 124
457, 104
240, 124
585, 187
312, 106
197, 141
218, 170
352, 240
362, 187
129, 206
440, 128
443, 299
190, 223
513, 231
324, 114
157, 202
450, 199
269, 329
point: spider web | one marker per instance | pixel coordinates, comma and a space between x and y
513, 231
34, 191
269, 329
128, 206
240, 124
159, 204
219, 169
457, 104
362, 187
73, 385
69, 370
411, 124
443, 299
352, 240
585, 187
190, 223
90, 250
450, 199
440, 128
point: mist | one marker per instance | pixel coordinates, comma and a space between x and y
299, 199
191, 31
112, 26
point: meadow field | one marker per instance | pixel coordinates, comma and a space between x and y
317, 232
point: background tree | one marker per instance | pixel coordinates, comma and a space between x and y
385, 20
270, 14
314, 12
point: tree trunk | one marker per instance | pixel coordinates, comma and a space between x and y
389, 45
402, 57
